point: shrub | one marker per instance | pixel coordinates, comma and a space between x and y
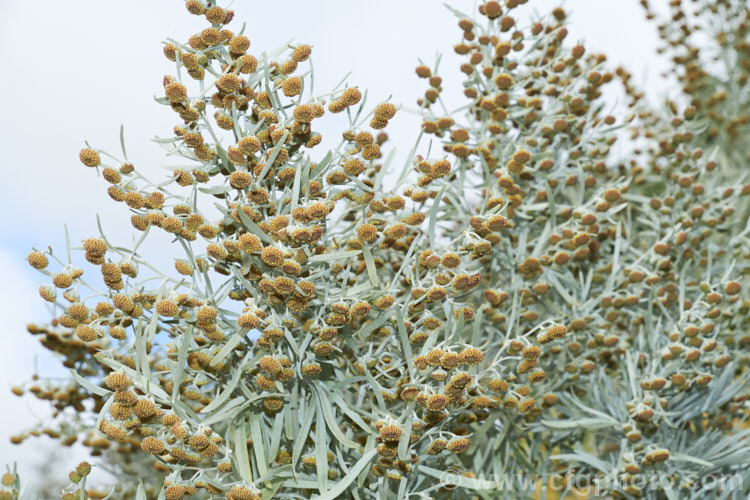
523, 300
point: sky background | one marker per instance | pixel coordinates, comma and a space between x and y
76, 70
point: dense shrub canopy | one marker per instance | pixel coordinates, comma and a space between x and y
522, 300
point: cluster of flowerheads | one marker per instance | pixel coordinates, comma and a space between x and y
522, 299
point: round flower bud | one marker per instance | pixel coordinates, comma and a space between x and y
240, 180
206, 313
272, 257
350, 97
153, 446
521, 156
390, 433
526, 405
557, 331
83, 469
249, 243
450, 360
367, 232
471, 356
89, 157
175, 92
248, 321
458, 445
242, 493
292, 86
239, 44
269, 364
37, 260
144, 409
531, 352
436, 402
229, 83
167, 308
503, 81
174, 492
731, 288
385, 111
301, 52
86, 333
117, 381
